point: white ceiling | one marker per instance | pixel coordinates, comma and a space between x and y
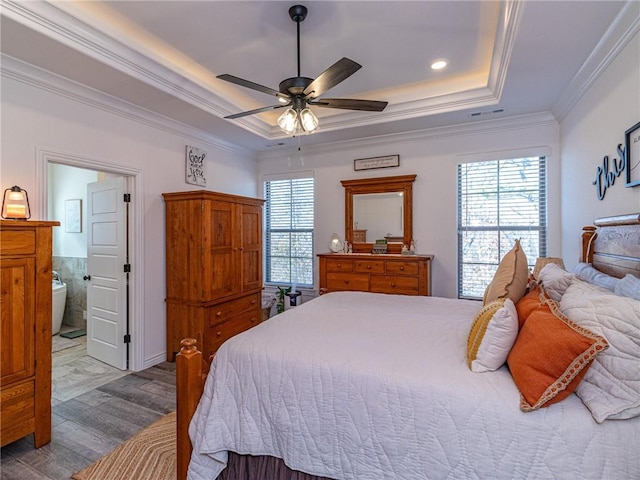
505, 58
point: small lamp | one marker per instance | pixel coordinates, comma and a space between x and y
542, 261
15, 204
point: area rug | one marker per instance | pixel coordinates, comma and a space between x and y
59, 343
149, 455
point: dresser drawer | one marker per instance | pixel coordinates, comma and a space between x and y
18, 410
18, 242
369, 266
346, 281
402, 268
222, 312
339, 265
394, 284
221, 332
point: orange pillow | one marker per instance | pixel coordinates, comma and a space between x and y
527, 304
550, 356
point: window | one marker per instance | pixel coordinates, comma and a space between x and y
289, 231
498, 202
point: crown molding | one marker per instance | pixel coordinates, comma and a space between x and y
616, 38
44, 80
486, 127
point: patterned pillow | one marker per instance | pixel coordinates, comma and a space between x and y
550, 356
494, 329
511, 277
611, 387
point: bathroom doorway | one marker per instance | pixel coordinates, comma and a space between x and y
65, 177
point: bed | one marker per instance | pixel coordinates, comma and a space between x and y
387, 393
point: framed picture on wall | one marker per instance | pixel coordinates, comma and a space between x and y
632, 137
73, 215
196, 168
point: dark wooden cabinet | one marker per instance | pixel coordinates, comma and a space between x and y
25, 325
399, 274
213, 267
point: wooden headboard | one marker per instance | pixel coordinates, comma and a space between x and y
613, 245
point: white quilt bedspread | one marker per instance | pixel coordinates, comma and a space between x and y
369, 386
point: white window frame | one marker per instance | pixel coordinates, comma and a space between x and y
287, 176
541, 227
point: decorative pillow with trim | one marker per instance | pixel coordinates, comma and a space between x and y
555, 280
494, 329
527, 304
511, 277
611, 387
551, 356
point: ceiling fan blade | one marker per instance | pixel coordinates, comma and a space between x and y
252, 85
332, 76
351, 104
257, 110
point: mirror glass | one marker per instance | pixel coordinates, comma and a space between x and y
377, 216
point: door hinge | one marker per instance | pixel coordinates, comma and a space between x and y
127, 338
127, 268
127, 197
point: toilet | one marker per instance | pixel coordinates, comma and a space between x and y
59, 300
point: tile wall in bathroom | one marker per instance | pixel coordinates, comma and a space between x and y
71, 270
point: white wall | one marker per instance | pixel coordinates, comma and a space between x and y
593, 129
433, 156
34, 118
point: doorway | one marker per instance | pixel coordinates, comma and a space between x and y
52, 167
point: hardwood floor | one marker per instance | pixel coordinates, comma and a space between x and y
95, 408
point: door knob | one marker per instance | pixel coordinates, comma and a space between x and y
87, 277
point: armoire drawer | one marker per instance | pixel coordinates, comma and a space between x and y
18, 242
394, 284
221, 332
347, 281
222, 312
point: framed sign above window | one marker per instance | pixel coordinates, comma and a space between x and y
376, 162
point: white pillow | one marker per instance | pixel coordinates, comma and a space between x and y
611, 387
629, 286
493, 333
589, 274
555, 280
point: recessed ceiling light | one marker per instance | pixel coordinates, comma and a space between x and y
438, 64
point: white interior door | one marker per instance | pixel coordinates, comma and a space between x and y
106, 257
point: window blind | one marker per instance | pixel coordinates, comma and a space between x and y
498, 202
289, 218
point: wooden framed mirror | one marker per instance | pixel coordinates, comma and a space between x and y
377, 208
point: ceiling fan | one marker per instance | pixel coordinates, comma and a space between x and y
299, 92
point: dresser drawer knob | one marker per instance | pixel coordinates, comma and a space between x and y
339, 265
218, 334
393, 285
218, 314
253, 319
402, 269
346, 282
253, 302
368, 267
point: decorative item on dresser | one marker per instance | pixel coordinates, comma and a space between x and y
400, 274
25, 325
214, 267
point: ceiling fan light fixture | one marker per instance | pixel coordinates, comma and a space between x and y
288, 121
308, 120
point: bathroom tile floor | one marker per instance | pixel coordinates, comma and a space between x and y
92, 414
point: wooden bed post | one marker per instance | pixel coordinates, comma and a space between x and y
189, 385
588, 236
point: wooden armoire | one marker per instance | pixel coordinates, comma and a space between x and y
213, 267
25, 328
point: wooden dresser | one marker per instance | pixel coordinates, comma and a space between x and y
364, 272
25, 306
213, 267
